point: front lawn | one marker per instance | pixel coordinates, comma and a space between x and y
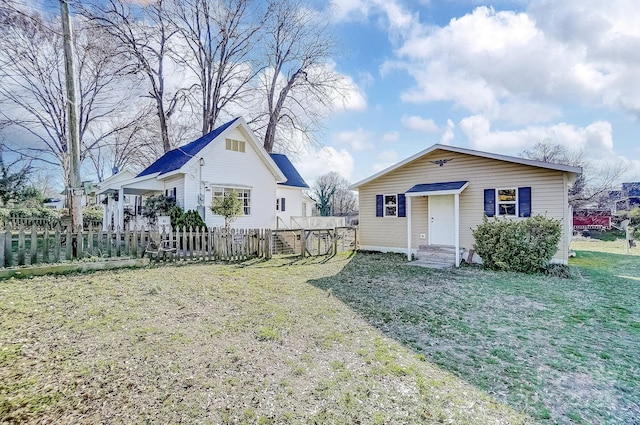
222, 344
563, 350
351, 339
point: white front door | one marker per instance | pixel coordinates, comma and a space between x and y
441, 220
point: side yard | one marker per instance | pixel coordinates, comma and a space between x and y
360, 338
253, 343
562, 350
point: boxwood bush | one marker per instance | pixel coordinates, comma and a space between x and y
522, 245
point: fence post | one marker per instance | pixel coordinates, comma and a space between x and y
45, 245
69, 252
8, 246
269, 236
21, 246
57, 244
3, 236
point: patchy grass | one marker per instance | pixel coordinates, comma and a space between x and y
225, 344
618, 246
562, 350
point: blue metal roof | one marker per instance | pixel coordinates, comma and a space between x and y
436, 187
293, 177
176, 158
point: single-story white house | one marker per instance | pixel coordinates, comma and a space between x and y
436, 197
230, 158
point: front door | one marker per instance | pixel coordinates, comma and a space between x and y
441, 220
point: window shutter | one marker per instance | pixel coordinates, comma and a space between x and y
524, 201
379, 206
402, 206
282, 204
489, 202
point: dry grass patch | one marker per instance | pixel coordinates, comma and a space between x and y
224, 344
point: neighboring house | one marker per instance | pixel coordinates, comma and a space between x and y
627, 198
113, 208
436, 198
229, 159
291, 202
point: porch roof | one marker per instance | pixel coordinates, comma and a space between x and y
445, 188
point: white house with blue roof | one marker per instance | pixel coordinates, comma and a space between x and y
228, 159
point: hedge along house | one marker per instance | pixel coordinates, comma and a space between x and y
229, 159
437, 197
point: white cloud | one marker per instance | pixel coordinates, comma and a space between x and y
512, 66
595, 139
417, 123
385, 159
392, 136
358, 140
315, 163
448, 134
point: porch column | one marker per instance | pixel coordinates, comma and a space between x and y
408, 211
105, 214
120, 206
456, 213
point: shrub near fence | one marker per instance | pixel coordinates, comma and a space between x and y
31, 246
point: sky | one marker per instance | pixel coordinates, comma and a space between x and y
493, 76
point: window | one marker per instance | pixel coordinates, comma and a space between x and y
243, 194
390, 205
171, 193
235, 145
304, 209
280, 204
507, 200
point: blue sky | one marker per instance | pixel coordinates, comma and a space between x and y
495, 76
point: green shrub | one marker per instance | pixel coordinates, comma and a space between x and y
518, 245
157, 205
190, 219
174, 214
92, 215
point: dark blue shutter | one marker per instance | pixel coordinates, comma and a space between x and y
402, 207
282, 204
489, 202
379, 206
524, 201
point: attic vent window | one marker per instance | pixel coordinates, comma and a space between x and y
235, 145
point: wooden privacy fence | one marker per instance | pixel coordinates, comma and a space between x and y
30, 246
311, 242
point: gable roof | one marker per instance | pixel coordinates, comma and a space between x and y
506, 158
293, 177
438, 187
176, 158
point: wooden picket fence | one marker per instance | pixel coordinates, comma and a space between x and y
314, 242
31, 246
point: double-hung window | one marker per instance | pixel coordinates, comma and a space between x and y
390, 205
244, 195
507, 200
511, 202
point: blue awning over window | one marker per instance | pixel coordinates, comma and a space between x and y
438, 188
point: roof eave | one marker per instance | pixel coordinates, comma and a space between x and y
506, 158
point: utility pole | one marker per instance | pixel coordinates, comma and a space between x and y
74, 190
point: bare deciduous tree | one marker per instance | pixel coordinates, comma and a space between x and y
332, 196
32, 88
221, 37
298, 84
144, 33
591, 184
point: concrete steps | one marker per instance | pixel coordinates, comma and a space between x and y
436, 256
